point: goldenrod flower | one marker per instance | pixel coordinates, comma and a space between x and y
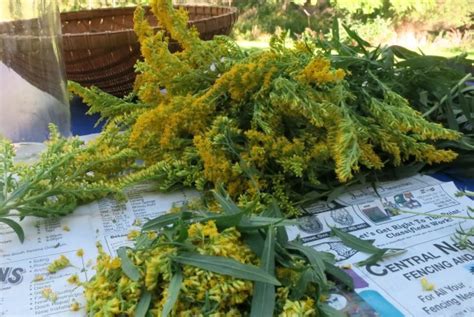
75, 306
58, 264
73, 279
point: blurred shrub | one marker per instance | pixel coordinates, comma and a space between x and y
74, 5
259, 17
435, 15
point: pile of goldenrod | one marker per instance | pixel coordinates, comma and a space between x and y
198, 263
278, 123
270, 126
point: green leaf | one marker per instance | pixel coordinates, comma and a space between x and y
336, 192
257, 222
255, 241
16, 227
143, 304
335, 31
224, 220
127, 265
314, 257
143, 242
465, 109
227, 204
173, 293
300, 288
165, 220
263, 301
354, 242
362, 44
385, 253
365, 246
274, 210
226, 266
402, 52
339, 275
327, 311
450, 116
374, 258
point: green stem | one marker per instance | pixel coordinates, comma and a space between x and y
437, 105
431, 215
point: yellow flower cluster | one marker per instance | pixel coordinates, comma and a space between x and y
49, 294
112, 293
74, 279
319, 71
109, 282
58, 264
281, 122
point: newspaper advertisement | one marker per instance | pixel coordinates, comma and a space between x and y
396, 286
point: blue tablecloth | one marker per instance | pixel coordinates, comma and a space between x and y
82, 123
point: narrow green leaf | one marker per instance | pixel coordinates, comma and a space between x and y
384, 253
282, 236
162, 221
450, 116
257, 222
354, 242
227, 204
127, 265
16, 227
263, 301
374, 258
336, 192
224, 220
327, 311
402, 52
255, 241
226, 266
173, 293
314, 257
300, 288
465, 109
143, 304
339, 275
361, 43
335, 31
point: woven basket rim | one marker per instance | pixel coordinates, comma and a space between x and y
230, 12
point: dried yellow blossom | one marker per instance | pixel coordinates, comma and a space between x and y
80, 252
38, 278
74, 279
58, 264
48, 294
75, 306
425, 285
133, 234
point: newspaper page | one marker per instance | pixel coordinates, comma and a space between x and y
27, 289
393, 286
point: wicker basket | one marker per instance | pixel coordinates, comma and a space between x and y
101, 48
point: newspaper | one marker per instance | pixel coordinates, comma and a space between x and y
24, 276
23, 267
393, 286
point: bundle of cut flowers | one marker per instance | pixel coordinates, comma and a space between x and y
276, 128
278, 124
193, 262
